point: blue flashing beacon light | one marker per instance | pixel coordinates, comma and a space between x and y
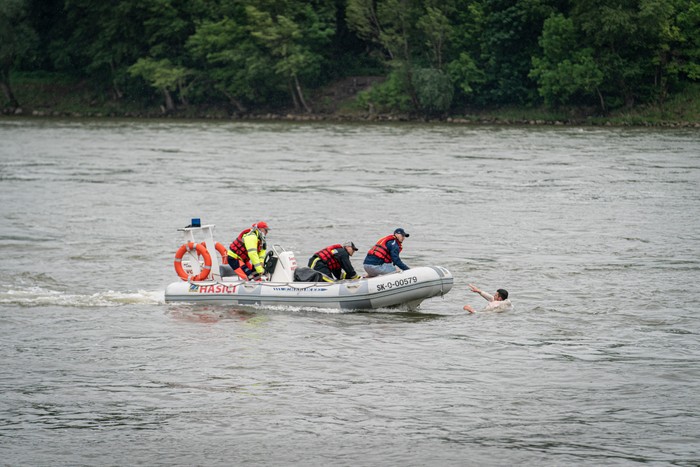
196, 222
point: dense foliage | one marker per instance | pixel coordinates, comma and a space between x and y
438, 56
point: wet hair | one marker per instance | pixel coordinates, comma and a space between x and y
503, 293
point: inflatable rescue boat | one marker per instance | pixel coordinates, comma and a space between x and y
206, 278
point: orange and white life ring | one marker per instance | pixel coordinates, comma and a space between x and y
201, 251
221, 249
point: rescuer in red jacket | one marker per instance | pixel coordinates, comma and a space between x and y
334, 261
383, 256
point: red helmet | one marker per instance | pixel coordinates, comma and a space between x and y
262, 225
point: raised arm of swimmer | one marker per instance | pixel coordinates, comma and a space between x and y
496, 302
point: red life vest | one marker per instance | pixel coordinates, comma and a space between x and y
238, 247
381, 251
326, 255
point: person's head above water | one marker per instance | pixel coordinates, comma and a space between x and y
502, 293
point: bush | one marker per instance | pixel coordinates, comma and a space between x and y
390, 96
434, 90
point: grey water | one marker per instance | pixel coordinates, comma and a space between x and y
595, 232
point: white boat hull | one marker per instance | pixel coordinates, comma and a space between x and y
406, 288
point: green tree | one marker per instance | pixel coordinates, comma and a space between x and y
167, 25
17, 41
406, 31
509, 38
293, 37
564, 70
363, 18
437, 30
674, 39
464, 64
272, 52
106, 39
48, 19
465, 73
252, 51
621, 42
281, 37
686, 56
641, 46
227, 57
162, 75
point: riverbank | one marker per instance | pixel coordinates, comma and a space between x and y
45, 95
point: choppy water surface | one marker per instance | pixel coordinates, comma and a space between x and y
595, 233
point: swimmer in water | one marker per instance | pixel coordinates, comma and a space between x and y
496, 302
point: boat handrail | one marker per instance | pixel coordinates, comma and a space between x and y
277, 249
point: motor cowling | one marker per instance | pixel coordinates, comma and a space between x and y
284, 267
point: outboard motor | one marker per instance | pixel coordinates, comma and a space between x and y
280, 264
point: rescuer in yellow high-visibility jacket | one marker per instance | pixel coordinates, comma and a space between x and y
247, 252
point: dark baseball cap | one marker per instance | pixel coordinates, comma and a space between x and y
402, 232
350, 244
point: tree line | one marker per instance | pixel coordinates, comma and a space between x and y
438, 56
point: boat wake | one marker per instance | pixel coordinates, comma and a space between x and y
35, 296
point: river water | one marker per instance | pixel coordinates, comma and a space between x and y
595, 232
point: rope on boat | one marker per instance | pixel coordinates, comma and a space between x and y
268, 284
